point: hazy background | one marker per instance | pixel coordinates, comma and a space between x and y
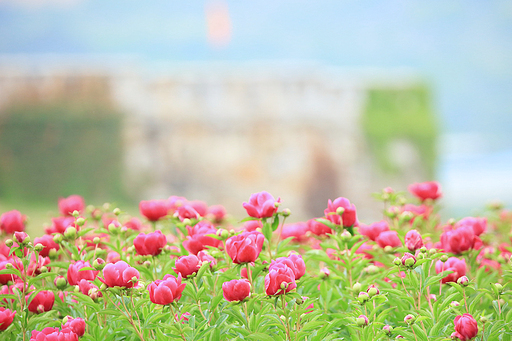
462, 50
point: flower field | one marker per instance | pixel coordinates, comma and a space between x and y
184, 270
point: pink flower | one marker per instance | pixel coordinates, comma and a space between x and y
60, 224
426, 190
199, 206
48, 243
374, 230
89, 289
217, 213
6, 318
479, 225
154, 210
75, 275
41, 302
53, 334
318, 228
120, 274
21, 237
252, 225
167, 290
236, 290
197, 239
245, 247
297, 231
388, 238
454, 264
349, 214
175, 202
70, 204
134, 224
261, 205
76, 325
413, 240
466, 327
204, 257
279, 280
150, 244
12, 221
460, 239
294, 261
422, 211
187, 265
187, 212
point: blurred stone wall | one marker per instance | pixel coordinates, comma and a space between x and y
219, 132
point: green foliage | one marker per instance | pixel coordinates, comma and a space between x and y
400, 114
52, 150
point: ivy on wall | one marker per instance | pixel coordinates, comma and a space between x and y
392, 114
58, 149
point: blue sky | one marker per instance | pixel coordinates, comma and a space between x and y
462, 48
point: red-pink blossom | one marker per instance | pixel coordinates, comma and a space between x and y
388, 238
245, 247
413, 240
279, 280
166, 291
261, 205
236, 290
120, 274
458, 266
70, 204
466, 327
154, 210
12, 221
150, 244
372, 231
349, 216
187, 265
426, 190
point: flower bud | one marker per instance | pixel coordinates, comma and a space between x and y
324, 273
9, 243
444, 258
99, 264
499, 287
38, 247
409, 319
187, 221
371, 269
345, 236
60, 282
362, 321
387, 329
112, 228
96, 240
372, 290
75, 214
423, 249
340, 210
277, 204
483, 319
53, 254
77, 289
363, 297
70, 233
397, 261
43, 269
57, 238
388, 249
464, 281
286, 212
117, 211
454, 304
406, 216
147, 264
432, 297
356, 287
432, 252
80, 221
